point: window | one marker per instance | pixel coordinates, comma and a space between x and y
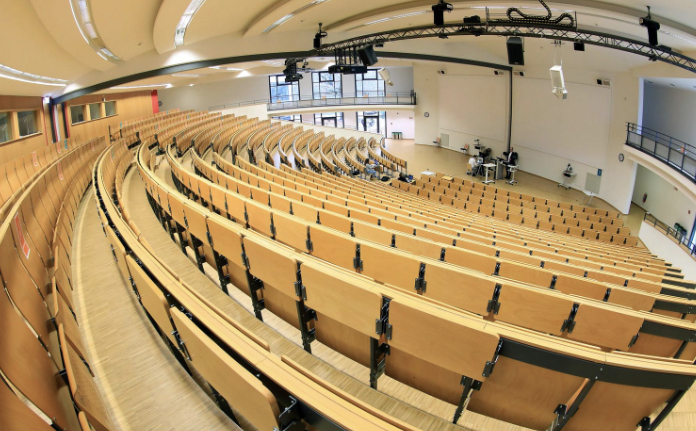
110, 108
5, 134
329, 119
369, 84
295, 118
326, 85
27, 123
95, 111
372, 121
77, 114
282, 91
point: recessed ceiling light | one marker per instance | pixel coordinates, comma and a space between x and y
191, 85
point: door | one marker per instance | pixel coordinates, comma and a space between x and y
328, 121
372, 124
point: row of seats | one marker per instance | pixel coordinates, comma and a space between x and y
546, 273
402, 269
407, 228
542, 218
514, 199
43, 361
15, 174
132, 132
270, 392
127, 130
404, 350
531, 217
439, 180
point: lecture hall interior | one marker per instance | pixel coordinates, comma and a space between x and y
335, 215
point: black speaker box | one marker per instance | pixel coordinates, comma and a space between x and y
515, 51
367, 55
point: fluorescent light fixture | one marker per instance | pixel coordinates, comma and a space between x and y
230, 69
185, 20
17, 75
289, 16
88, 30
141, 86
191, 85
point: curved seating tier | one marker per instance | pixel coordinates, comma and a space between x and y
43, 362
447, 327
270, 392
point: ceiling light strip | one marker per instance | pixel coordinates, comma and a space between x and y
140, 86
83, 18
17, 75
185, 20
289, 16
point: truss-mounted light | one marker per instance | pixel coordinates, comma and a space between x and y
185, 20
83, 18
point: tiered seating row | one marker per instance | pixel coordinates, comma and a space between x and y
40, 339
413, 269
392, 213
268, 391
421, 365
17, 173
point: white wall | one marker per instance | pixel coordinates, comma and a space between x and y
665, 201
203, 96
427, 86
475, 107
670, 111
658, 243
576, 129
401, 121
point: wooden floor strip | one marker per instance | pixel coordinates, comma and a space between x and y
141, 383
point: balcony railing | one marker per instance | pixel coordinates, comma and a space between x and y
677, 154
346, 100
681, 237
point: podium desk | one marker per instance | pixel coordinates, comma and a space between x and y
489, 167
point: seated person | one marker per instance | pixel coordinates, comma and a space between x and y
371, 167
510, 160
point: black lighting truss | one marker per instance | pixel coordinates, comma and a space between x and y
521, 29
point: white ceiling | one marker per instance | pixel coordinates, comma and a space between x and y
46, 41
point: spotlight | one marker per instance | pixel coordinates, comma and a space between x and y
386, 76
579, 45
318, 37
439, 11
290, 71
559, 88
652, 26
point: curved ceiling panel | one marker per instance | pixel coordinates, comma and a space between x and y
30, 47
219, 18
168, 17
130, 37
58, 20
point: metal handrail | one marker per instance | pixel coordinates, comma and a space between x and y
389, 99
311, 102
683, 238
676, 153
